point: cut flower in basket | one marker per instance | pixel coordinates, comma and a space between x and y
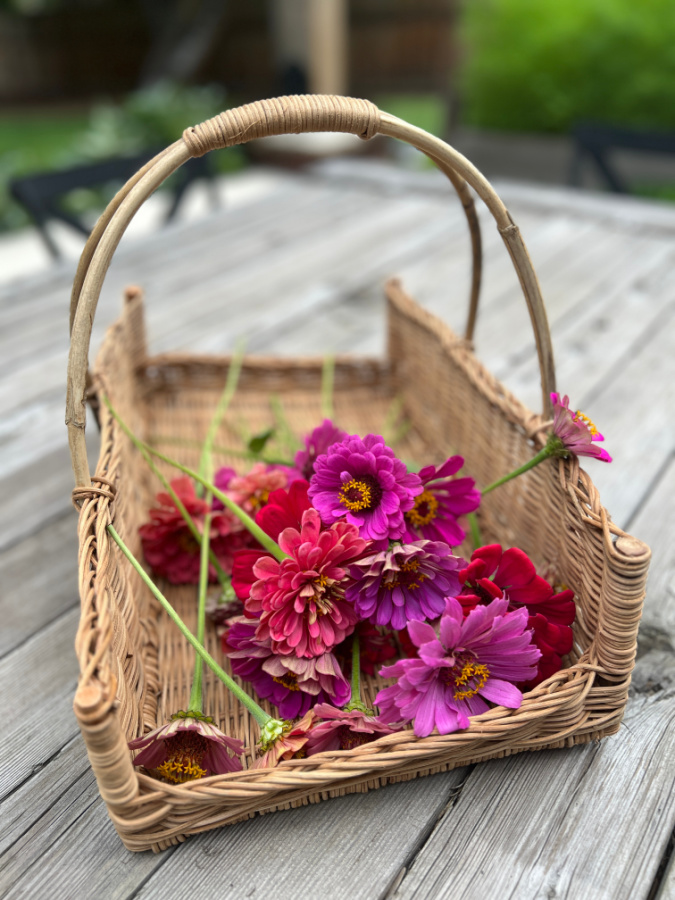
443, 501
472, 660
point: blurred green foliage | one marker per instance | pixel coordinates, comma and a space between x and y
148, 118
533, 65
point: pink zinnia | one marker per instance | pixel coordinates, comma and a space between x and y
252, 491
473, 660
300, 600
575, 431
364, 483
444, 499
344, 729
186, 748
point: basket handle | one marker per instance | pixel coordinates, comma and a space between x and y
283, 115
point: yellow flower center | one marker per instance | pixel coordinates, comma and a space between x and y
424, 510
289, 681
580, 417
185, 752
470, 680
408, 576
259, 500
355, 495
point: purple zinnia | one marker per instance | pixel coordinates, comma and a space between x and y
443, 500
474, 659
363, 482
293, 685
344, 729
316, 444
408, 581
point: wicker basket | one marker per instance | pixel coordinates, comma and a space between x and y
135, 666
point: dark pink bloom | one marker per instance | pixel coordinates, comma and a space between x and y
186, 748
291, 742
493, 573
292, 684
284, 509
409, 581
316, 444
170, 548
472, 661
575, 431
344, 729
364, 483
300, 600
444, 499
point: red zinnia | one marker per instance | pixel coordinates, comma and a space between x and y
300, 600
493, 573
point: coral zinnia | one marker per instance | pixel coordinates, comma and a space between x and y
363, 482
316, 444
300, 600
474, 659
443, 500
344, 729
409, 581
289, 742
511, 574
575, 431
186, 748
169, 546
292, 684
252, 490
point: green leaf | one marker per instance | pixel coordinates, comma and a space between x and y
259, 441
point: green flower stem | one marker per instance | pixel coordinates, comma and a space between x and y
196, 693
225, 451
259, 714
355, 701
476, 537
257, 532
205, 464
327, 382
543, 454
288, 440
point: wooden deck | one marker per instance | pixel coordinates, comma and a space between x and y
300, 271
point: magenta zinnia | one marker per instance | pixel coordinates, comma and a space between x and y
364, 483
575, 431
344, 729
472, 660
300, 600
443, 500
316, 444
186, 748
409, 581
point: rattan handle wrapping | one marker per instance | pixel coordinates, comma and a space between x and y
283, 115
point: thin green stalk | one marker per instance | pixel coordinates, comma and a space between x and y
259, 714
196, 693
225, 451
327, 384
257, 532
356, 702
476, 537
288, 439
543, 454
221, 408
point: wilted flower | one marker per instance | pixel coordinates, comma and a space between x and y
343, 729
300, 600
443, 500
289, 742
186, 748
473, 660
575, 432
409, 581
317, 443
364, 483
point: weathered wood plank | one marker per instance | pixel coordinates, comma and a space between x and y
589, 822
39, 581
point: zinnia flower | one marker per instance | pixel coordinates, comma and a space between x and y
409, 581
362, 482
300, 600
443, 500
473, 660
343, 729
284, 509
288, 743
186, 748
169, 546
493, 573
252, 491
292, 684
316, 444
575, 431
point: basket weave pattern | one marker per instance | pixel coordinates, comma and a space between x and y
135, 667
